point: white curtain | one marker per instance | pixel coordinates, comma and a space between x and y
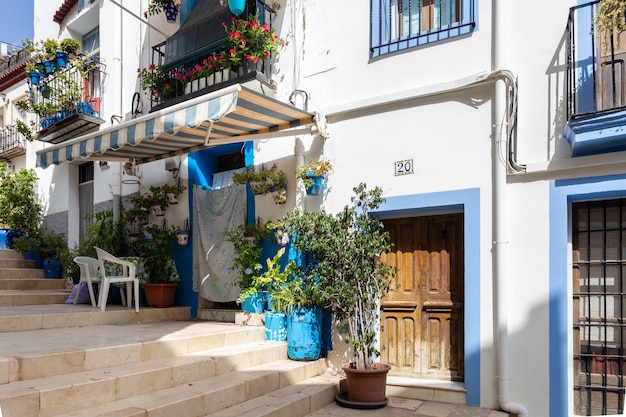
215, 213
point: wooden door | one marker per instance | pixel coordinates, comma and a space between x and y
422, 316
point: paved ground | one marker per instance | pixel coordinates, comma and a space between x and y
401, 407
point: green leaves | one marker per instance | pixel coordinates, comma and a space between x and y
345, 250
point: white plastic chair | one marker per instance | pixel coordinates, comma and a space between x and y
128, 275
89, 274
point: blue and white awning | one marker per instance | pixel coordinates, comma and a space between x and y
234, 114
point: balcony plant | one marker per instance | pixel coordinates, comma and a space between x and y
249, 40
157, 83
157, 6
182, 233
611, 20
172, 192
345, 249
313, 174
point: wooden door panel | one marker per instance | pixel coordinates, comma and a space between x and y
421, 317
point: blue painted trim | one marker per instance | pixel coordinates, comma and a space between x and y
468, 201
562, 193
597, 134
381, 43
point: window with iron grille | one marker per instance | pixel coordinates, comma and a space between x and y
403, 24
599, 298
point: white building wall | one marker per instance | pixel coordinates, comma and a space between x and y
441, 122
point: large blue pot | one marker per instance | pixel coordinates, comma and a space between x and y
304, 333
52, 268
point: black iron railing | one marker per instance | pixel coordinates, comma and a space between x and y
12, 143
74, 89
595, 65
170, 86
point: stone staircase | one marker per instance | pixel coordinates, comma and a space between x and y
75, 360
21, 283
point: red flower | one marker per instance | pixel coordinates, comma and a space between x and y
152, 67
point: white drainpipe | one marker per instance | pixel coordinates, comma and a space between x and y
501, 243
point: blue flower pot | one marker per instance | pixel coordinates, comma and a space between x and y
256, 303
275, 326
237, 6
52, 268
61, 59
304, 333
316, 187
35, 77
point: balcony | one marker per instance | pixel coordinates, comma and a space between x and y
194, 61
596, 86
12, 143
67, 101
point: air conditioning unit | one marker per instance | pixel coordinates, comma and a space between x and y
132, 169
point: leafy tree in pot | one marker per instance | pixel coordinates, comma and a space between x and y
352, 280
20, 209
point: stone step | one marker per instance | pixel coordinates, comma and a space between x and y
55, 316
211, 395
34, 354
31, 284
17, 273
67, 393
17, 263
10, 254
297, 400
32, 297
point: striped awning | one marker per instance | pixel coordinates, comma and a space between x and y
234, 114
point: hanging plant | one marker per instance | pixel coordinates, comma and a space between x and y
611, 20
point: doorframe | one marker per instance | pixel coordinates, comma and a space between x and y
562, 193
466, 201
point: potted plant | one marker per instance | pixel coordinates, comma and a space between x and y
313, 174
256, 178
139, 212
173, 191
246, 261
250, 42
182, 234
158, 200
277, 182
301, 299
52, 244
273, 280
345, 249
161, 275
169, 6
20, 209
279, 230
70, 46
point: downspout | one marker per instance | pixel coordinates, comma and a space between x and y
116, 172
500, 233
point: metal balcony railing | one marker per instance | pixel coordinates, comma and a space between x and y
595, 65
68, 95
171, 90
12, 143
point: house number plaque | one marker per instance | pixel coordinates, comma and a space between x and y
404, 167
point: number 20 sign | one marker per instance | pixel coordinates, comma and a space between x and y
403, 167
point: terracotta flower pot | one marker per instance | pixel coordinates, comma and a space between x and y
160, 295
365, 385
